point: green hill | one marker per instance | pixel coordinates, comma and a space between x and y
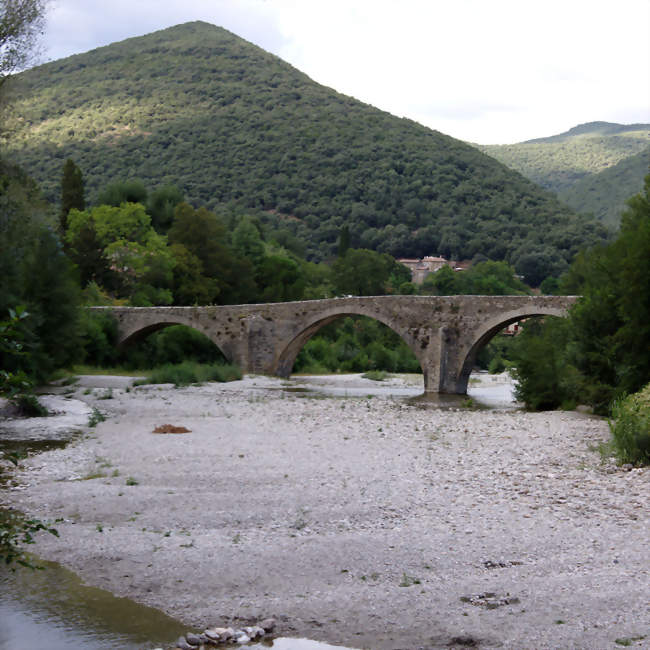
604, 194
239, 129
560, 161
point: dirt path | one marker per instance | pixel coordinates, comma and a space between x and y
365, 522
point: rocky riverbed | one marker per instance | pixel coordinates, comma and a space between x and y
365, 521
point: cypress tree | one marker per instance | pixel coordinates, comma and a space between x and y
72, 192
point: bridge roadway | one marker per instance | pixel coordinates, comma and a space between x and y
444, 332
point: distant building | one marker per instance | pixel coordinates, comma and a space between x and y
427, 265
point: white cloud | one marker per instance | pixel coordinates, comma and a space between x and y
499, 71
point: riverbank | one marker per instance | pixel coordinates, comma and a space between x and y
364, 521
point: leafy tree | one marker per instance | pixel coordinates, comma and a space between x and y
247, 241
206, 238
21, 24
118, 247
280, 279
362, 272
344, 241
132, 191
35, 273
161, 206
72, 192
606, 353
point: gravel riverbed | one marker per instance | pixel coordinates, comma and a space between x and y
363, 521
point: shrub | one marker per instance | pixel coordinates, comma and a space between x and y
29, 406
190, 372
630, 426
375, 375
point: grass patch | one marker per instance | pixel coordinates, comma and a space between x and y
376, 375
95, 418
29, 406
190, 372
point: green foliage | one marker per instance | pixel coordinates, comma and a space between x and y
21, 24
12, 383
482, 279
375, 375
630, 426
363, 272
603, 350
190, 372
170, 346
161, 205
208, 269
131, 191
356, 344
561, 161
540, 364
98, 338
239, 130
34, 272
16, 532
29, 406
603, 194
119, 247
72, 192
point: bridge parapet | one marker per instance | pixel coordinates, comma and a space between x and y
444, 332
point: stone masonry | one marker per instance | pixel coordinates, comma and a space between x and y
444, 332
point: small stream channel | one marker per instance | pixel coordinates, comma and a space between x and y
53, 609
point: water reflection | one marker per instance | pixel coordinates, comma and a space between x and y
53, 609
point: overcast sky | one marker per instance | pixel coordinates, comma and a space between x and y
487, 71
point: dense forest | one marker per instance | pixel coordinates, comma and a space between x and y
237, 129
594, 168
604, 194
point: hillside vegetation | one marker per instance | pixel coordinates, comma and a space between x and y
604, 194
237, 129
559, 161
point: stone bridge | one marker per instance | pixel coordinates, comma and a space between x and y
444, 332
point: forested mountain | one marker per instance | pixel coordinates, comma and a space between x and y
604, 194
236, 128
592, 167
559, 161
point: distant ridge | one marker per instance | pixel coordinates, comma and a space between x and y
580, 165
591, 129
239, 129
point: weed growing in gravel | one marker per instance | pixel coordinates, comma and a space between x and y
628, 640
107, 394
409, 581
131, 481
375, 375
100, 528
95, 418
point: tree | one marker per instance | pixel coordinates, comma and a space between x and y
21, 25
132, 191
606, 353
362, 272
203, 234
161, 205
72, 192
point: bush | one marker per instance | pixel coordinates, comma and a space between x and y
630, 426
190, 372
29, 406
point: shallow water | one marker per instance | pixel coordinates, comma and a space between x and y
485, 391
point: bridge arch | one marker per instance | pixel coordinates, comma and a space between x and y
290, 347
140, 333
469, 348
